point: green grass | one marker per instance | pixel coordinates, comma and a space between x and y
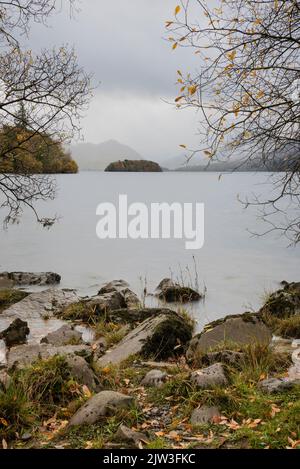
48, 381
158, 443
97, 435
9, 296
288, 328
254, 419
79, 311
113, 333
17, 412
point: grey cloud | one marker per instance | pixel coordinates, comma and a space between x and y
122, 43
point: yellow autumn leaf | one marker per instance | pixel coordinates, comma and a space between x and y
231, 55
192, 89
260, 94
179, 73
218, 11
178, 98
177, 9
175, 45
236, 110
209, 154
182, 146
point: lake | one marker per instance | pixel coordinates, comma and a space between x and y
236, 268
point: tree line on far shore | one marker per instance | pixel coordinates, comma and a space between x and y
25, 152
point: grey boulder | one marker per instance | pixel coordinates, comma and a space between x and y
154, 378
131, 300
81, 371
209, 377
103, 404
245, 329
130, 436
229, 357
170, 291
204, 415
276, 385
65, 335
24, 355
162, 336
40, 305
31, 278
16, 333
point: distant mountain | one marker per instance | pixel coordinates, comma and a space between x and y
96, 157
232, 167
278, 163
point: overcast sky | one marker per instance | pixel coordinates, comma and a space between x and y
122, 43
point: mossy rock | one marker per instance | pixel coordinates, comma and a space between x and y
169, 339
161, 336
283, 303
133, 316
10, 296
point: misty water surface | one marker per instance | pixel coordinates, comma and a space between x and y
236, 269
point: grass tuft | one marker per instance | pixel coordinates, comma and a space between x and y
9, 296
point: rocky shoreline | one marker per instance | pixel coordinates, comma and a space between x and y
107, 372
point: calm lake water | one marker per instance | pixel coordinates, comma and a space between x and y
236, 269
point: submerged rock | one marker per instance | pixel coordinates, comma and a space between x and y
209, 377
162, 336
65, 335
204, 415
170, 291
114, 285
134, 166
30, 278
16, 333
103, 404
245, 329
155, 378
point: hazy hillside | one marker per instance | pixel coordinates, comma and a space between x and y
96, 157
174, 162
